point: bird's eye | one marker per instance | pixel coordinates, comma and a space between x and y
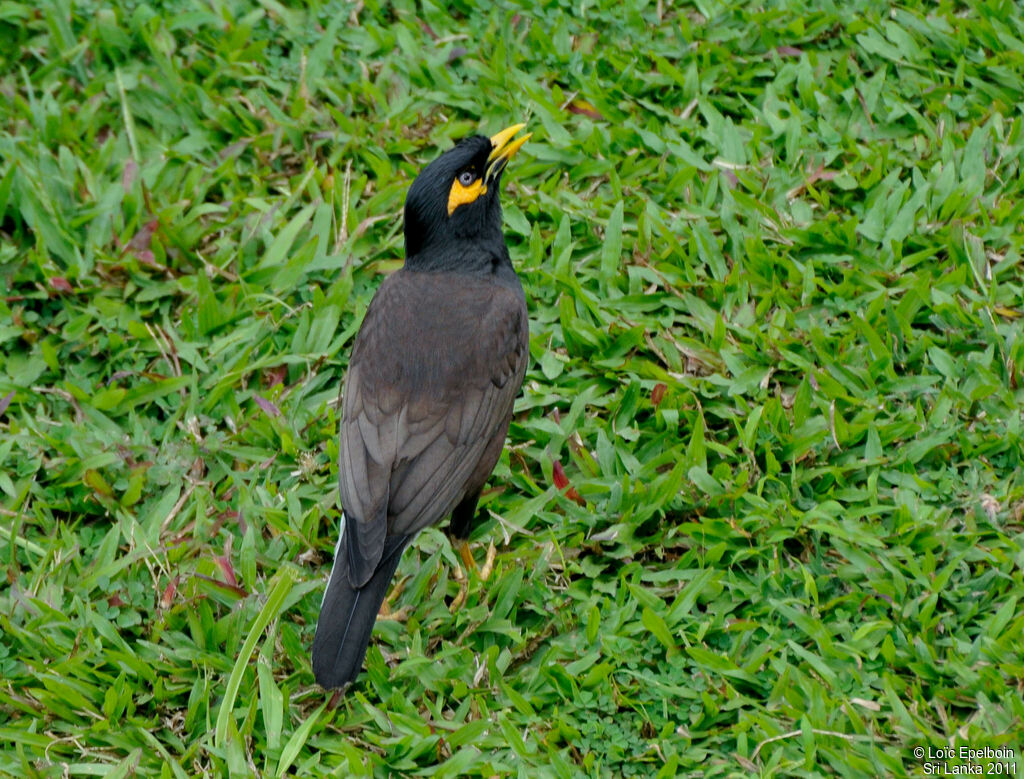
466, 178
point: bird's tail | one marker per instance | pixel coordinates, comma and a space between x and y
348, 613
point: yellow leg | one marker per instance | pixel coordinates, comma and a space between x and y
467, 556
460, 577
467, 559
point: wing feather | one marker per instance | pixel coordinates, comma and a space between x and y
434, 373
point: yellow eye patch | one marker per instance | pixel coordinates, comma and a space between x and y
460, 195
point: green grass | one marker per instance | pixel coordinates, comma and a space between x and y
772, 255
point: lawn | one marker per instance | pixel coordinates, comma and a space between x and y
760, 512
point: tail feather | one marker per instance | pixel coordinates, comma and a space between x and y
347, 616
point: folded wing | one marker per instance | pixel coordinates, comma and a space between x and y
426, 401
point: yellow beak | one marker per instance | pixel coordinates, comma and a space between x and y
504, 148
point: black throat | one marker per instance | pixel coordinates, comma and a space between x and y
472, 257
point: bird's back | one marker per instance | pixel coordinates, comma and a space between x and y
434, 373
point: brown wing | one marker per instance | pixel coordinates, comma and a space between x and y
428, 397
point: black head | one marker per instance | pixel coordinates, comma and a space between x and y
455, 199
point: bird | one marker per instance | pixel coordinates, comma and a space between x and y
428, 395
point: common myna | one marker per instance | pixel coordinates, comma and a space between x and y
434, 372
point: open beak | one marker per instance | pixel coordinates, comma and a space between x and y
503, 149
